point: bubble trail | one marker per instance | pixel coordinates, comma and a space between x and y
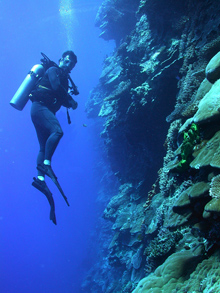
67, 15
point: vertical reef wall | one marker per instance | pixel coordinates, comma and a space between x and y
158, 104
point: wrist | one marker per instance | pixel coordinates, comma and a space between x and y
74, 104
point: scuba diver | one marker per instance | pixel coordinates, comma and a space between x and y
50, 93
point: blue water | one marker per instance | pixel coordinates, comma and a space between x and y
35, 255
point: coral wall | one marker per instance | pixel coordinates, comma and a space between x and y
158, 104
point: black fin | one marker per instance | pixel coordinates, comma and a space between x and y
45, 190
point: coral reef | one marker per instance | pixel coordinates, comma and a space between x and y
163, 219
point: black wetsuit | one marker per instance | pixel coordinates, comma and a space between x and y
50, 95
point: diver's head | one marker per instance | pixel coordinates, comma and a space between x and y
68, 61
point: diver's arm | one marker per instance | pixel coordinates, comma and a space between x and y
70, 103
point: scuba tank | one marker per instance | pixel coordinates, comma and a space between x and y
21, 96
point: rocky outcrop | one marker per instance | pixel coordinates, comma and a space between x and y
158, 99
113, 15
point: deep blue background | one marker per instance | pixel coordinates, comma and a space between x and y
36, 255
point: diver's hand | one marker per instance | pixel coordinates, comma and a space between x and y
73, 104
74, 91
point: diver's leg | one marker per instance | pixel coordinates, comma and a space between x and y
42, 133
53, 140
42, 138
48, 129
55, 134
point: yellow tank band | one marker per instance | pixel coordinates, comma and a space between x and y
43, 87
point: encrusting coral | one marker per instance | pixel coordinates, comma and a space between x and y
214, 190
212, 70
175, 270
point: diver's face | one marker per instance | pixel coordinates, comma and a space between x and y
66, 63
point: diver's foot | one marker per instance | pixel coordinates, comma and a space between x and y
47, 169
41, 186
